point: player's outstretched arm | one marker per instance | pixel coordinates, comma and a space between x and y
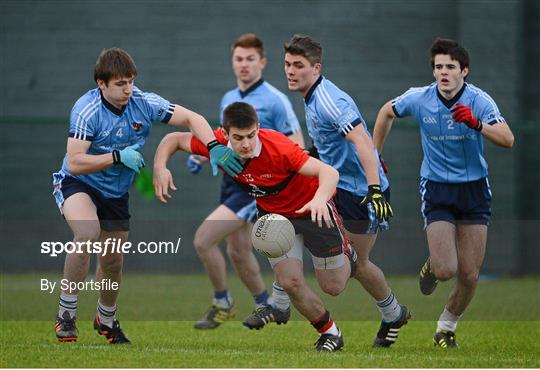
383, 124
328, 179
163, 179
220, 155
196, 123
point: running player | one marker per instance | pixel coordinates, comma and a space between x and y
108, 126
284, 180
454, 117
340, 134
232, 219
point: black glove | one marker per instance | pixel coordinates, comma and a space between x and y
375, 197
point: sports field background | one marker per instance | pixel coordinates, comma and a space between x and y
157, 312
374, 50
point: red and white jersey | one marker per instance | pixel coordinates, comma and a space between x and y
271, 175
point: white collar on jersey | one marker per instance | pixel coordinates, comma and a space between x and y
258, 148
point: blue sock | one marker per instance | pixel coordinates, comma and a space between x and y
261, 299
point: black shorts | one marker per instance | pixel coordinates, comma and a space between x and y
322, 241
358, 218
466, 203
234, 197
113, 213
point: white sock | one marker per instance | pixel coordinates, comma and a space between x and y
106, 314
332, 330
280, 299
447, 321
68, 303
222, 299
389, 308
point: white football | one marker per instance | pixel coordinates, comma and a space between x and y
273, 235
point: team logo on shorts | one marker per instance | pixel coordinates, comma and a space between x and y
137, 126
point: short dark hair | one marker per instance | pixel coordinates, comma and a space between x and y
114, 63
240, 115
449, 47
305, 46
249, 40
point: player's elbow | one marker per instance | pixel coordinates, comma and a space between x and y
509, 141
73, 167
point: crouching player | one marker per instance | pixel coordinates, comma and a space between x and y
286, 181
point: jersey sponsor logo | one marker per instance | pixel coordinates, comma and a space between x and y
429, 120
137, 126
266, 176
104, 133
256, 192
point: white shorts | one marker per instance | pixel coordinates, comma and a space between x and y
319, 263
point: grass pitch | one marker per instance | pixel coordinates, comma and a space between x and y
157, 313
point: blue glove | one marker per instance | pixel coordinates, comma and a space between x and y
194, 165
129, 157
225, 158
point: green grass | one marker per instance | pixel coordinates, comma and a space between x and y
157, 312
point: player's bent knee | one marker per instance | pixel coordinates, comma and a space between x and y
201, 244
292, 284
87, 234
237, 255
113, 264
469, 278
333, 288
443, 273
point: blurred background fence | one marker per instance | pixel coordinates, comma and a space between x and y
374, 50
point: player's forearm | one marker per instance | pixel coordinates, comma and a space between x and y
200, 128
166, 148
82, 163
369, 163
499, 134
366, 153
383, 124
328, 180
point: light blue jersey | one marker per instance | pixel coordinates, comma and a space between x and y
330, 115
274, 109
108, 128
453, 152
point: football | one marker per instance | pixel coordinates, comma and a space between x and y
273, 235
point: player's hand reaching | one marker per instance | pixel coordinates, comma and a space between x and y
319, 212
194, 164
225, 158
462, 113
163, 181
129, 157
375, 197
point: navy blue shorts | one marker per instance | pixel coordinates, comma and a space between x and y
466, 203
113, 213
322, 242
236, 199
357, 218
